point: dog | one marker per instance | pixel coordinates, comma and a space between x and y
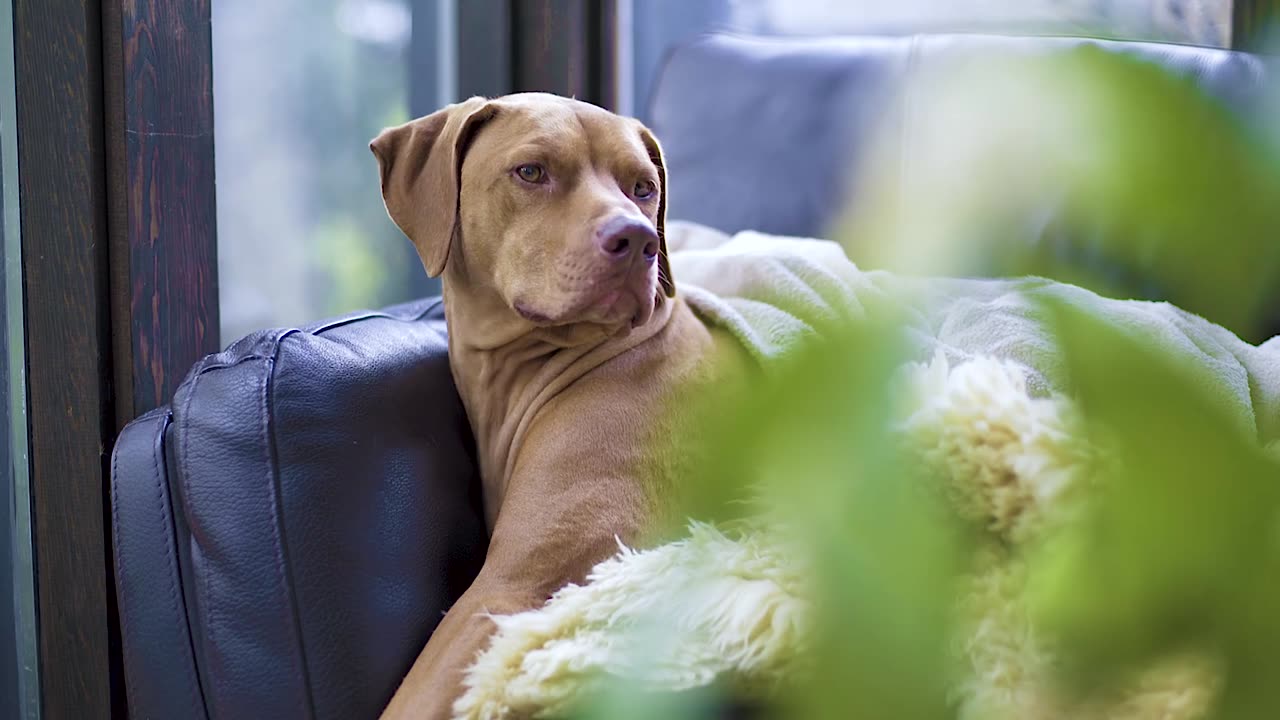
570, 344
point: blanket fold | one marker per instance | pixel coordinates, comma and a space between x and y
772, 292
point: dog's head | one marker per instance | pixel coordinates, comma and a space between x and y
556, 205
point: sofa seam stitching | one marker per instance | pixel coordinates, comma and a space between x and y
204, 610
125, 623
170, 554
283, 566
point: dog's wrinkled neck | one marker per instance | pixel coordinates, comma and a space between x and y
507, 368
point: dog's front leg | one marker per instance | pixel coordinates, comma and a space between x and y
435, 680
536, 549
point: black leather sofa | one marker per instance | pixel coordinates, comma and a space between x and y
291, 526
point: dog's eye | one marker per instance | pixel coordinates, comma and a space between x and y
531, 173
644, 189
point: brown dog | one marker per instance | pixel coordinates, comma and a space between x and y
567, 338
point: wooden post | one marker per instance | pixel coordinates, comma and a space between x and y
62, 199
1251, 23
163, 226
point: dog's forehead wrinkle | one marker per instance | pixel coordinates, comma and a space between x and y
547, 128
543, 125
611, 131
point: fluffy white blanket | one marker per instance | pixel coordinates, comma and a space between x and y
987, 412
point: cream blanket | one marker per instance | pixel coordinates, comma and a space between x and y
771, 291
988, 370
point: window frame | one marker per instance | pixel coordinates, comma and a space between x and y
568, 47
62, 199
1251, 20
116, 195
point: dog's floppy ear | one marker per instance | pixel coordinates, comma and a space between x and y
664, 265
421, 167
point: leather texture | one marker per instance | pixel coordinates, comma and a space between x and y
161, 677
765, 133
292, 527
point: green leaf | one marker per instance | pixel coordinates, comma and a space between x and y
1177, 547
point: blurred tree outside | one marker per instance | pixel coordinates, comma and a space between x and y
300, 87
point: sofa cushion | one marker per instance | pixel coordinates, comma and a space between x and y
765, 133
310, 500
770, 134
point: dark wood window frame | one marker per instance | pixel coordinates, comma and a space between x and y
1251, 23
116, 193
62, 195
567, 47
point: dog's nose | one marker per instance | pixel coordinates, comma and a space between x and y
624, 237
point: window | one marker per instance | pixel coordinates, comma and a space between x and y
300, 88
302, 85
19, 686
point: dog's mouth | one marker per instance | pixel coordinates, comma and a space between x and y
537, 318
627, 300
620, 306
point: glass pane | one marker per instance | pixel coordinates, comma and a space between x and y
300, 87
656, 26
19, 684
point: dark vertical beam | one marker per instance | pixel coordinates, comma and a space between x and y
62, 167
157, 64
550, 47
1253, 24
567, 47
122, 357
484, 47
602, 51
163, 220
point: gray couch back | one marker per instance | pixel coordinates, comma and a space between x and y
765, 133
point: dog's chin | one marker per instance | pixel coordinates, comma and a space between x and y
621, 307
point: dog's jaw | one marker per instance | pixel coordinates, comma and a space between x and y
530, 314
613, 304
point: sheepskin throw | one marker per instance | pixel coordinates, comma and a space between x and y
1005, 458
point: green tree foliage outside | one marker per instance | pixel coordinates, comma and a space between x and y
302, 86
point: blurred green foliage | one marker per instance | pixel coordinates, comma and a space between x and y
1181, 547
1176, 545
302, 229
350, 90
1089, 167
